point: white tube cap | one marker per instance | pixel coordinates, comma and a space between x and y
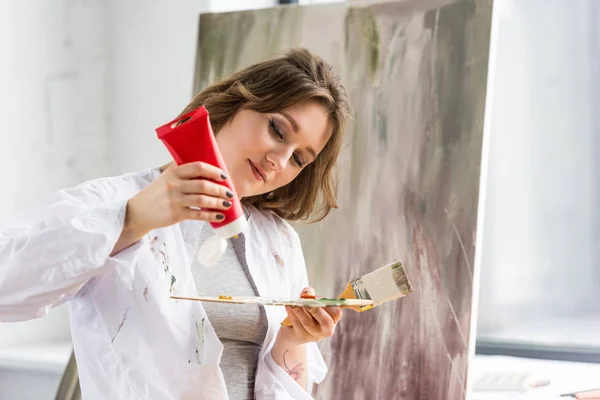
212, 250
214, 247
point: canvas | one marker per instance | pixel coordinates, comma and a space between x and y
416, 74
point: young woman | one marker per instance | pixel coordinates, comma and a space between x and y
117, 248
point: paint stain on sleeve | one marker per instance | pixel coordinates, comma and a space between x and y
123, 319
173, 280
278, 259
284, 230
200, 339
159, 250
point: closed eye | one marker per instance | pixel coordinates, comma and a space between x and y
298, 161
277, 132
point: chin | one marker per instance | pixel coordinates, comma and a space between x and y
243, 189
247, 188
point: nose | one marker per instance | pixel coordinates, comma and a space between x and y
279, 158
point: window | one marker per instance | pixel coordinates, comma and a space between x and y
540, 274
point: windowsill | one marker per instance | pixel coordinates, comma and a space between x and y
551, 330
564, 377
44, 357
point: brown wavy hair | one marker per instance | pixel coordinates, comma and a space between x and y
274, 85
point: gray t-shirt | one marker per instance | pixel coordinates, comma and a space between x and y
241, 328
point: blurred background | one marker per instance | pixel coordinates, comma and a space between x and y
540, 281
88, 81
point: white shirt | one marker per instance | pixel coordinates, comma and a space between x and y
131, 340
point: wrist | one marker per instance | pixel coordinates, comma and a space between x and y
133, 225
132, 230
287, 337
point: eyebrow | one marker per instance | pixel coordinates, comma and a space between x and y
291, 120
295, 127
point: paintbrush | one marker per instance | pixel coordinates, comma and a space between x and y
382, 285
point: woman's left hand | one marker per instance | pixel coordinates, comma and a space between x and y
310, 324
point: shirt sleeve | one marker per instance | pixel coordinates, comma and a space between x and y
275, 382
47, 261
317, 368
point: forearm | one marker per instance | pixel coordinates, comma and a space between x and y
47, 262
291, 357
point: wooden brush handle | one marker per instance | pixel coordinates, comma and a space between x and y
348, 293
590, 395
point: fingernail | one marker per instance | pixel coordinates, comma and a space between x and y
223, 176
226, 203
229, 194
220, 216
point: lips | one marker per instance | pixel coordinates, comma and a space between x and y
259, 174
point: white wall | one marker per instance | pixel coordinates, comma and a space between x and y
53, 101
53, 108
84, 84
153, 51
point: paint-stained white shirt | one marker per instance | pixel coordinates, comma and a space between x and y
131, 340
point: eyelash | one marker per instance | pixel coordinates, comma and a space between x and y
276, 131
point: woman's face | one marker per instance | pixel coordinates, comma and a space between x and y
264, 152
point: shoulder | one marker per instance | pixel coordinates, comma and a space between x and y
137, 179
108, 188
93, 193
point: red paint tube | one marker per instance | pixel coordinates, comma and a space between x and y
190, 138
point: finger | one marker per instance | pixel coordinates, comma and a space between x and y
202, 186
291, 314
203, 215
325, 322
204, 201
307, 321
200, 170
336, 313
307, 292
296, 324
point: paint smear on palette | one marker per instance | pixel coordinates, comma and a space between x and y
416, 72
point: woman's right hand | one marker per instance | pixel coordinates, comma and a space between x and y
168, 199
